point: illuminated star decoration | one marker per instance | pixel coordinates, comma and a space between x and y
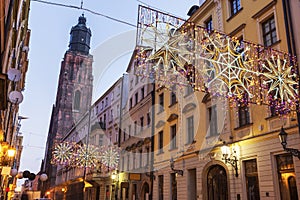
62, 153
110, 156
168, 49
280, 81
86, 156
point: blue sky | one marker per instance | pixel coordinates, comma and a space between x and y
50, 27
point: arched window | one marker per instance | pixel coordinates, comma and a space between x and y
217, 183
77, 100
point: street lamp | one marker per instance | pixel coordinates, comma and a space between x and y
230, 158
283, 139
177, 171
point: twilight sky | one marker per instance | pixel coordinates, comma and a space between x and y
111, 45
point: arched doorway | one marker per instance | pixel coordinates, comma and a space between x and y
217, 188
145, 191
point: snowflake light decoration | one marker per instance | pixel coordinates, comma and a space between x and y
63, 153
86, 156
226, 69
110, 156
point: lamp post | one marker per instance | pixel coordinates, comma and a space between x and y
230, 158
283, 139
115, 179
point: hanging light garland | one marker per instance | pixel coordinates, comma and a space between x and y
89, 156
172, 51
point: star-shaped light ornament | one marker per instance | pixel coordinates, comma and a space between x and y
280, 79
86, 156
110, 156
63, 153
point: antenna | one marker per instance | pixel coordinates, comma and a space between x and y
81, 4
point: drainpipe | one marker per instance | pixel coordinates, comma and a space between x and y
152, 137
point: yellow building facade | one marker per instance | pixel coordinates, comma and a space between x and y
235, 152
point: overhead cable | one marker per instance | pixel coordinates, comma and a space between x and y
85, 9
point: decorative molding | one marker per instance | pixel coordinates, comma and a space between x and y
238, 29
160, 123
189, 107
172, 117
264, 9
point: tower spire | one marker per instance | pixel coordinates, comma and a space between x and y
80, 37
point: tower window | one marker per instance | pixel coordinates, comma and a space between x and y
77, 100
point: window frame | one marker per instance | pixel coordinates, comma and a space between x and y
235, 7
173, 137
190, 137
270, 31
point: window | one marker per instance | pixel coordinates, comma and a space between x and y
142, 123
104, 119
116, 137
128, 161
212, 118
143, 92
269, 32
208, 24
173, 95
131, 84
160, 141
190, 129
129, 131
244, 115
112, 96
136, 79
133, 160
141, 158
111, 114
106, 101
189, 90
251, 179
124, 135
148, 156
130, 103
287, 176
148, 120
136, 98
235, 6
135, 127
173, 137
161, 187
101, 140
273, 111
161, 102
77, 100
173, 188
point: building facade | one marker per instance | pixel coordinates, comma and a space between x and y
254, 164
135, 139
14, 42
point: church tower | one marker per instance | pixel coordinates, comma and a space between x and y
74, 93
